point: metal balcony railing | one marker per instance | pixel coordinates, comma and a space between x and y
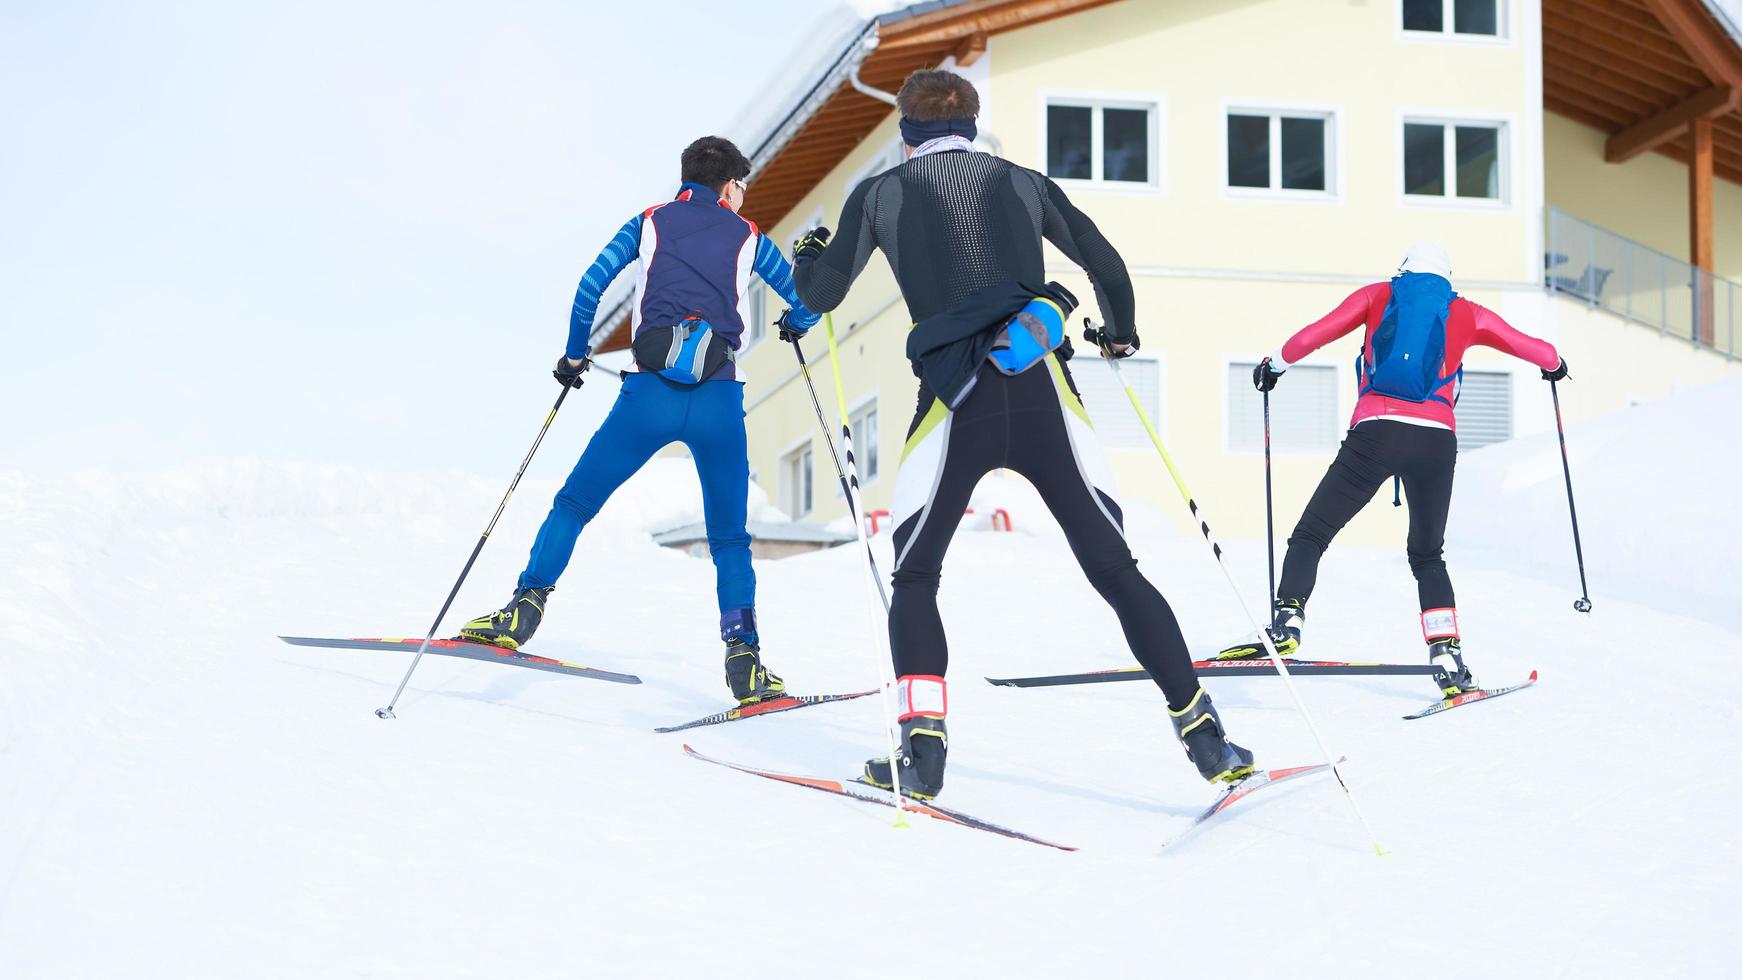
1642, 284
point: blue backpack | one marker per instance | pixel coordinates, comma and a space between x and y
1409, 348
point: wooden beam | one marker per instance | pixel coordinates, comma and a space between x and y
1668, 124
1655, 40
1603, 59
970, 50
1706, 42
1634, 49
1626, 107
1700, 222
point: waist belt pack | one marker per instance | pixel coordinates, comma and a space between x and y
1034, 332
685, 352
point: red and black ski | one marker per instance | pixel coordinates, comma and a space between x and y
1246, 787
467, 651
769, 707
1469, 697
869, 794
1222, 668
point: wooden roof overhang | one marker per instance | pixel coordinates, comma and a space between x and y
832, 117
1643, 71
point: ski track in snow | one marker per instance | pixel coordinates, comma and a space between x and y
186, 796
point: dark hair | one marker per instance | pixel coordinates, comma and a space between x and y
929, 95
713, 160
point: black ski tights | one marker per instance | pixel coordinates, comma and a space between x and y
1020, 423
1374, 451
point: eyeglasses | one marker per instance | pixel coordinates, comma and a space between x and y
743, 185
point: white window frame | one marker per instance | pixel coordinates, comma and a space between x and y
1505, 122
1317, 360
1448, 35
1157, 411
1331, 113
858, 408
757, 329
782, 484
1154, 102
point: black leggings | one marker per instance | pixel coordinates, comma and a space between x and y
1019, 423
1373, 452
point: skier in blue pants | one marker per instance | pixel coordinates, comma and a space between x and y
689, 310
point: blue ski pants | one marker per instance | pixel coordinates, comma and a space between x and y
650, 414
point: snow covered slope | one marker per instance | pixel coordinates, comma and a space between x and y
186, 796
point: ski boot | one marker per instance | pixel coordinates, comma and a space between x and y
513, 624
1284, 630
749, 680
924, 743
1200, 730
1447, 656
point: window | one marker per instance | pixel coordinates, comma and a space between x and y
1484, 408
757, 326
1303, 411
864, 422
795, 482
1454, 160
1279, 150
1480, 18
1116, 425
1102, 142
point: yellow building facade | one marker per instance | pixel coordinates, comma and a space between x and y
1225, 273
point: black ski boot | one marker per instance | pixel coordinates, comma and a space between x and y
1200, 730
749, 680
1447, 657
924, 743
1286, 621
513, 624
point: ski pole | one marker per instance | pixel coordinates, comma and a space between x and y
1093, 336
841, 474
1583, 602
387, 712
1269, 507
850, 485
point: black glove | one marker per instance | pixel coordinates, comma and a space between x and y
569, 373
1105, 344
1264, 377
788, 332
811, 245
1558, 373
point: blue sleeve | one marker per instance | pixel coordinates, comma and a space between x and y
622, 250
774, 270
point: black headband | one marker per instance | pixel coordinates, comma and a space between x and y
916, 133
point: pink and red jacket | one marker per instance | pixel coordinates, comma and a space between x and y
1467, 325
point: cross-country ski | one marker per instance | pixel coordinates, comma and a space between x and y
866, 793
1222, 668
467, 651
760, 708
1469, 697
1241, 790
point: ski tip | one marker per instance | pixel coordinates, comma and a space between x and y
1533, 677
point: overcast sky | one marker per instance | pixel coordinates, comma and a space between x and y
333, 230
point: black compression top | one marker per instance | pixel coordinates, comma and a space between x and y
950, 223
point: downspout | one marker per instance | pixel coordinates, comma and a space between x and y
995, 144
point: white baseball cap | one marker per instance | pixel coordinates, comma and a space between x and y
1427, 256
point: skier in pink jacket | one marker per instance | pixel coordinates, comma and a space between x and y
1410, 369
